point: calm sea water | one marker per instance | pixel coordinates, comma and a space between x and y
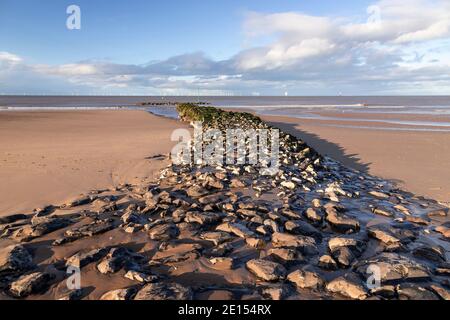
299, 107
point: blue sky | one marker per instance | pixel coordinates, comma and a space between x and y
226, 47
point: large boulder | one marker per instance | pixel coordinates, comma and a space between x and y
29, 284
83, 258
15, 258
47, 225
164, 291
202, 218
305, 244
305, 279
394, 268
341, 222
266, 270
164, 232
235, 228
347, 287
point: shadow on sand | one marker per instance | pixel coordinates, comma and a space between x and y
324, 147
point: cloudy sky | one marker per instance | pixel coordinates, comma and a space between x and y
226, 47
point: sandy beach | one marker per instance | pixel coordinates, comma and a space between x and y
416, 160
52, 156
203, 232
48, 157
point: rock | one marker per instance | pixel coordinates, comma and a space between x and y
394, 268
305, 279
79, 202
302, 228
288, 184
202, 218
387, 292
285, 255
443, 269
341, 222
132, 228
196, 191
291, 214
387, 233
83, 258
305, 244
41, 216
382, 212
30, 232
417, 220
116, 259
71, 295
248, 213
89, 230
435, 253
384, 236
131, 217
150, 205
355, 245
180, 257
266, 270
255, 243
379, 195
347, 288
275, 293
438, 213
164, 232
216, 237
215, 184
214, 198
272, 225
235, 228
441, 292
140, 276
264, 230
164, 291
313, 216
15, 258
345, 250
344, 256
402, 209
119, 294
327, 262
30, 284
415, 292
236, 183
316, 203
444, 231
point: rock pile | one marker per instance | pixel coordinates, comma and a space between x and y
316, 229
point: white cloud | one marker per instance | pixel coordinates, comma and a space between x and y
397, 46
6, 57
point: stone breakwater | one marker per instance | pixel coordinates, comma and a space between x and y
314, 230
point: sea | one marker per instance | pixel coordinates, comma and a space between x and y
416, 113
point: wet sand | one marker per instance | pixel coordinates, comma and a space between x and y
48, 157
418, 161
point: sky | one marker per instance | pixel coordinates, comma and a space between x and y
226, 47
